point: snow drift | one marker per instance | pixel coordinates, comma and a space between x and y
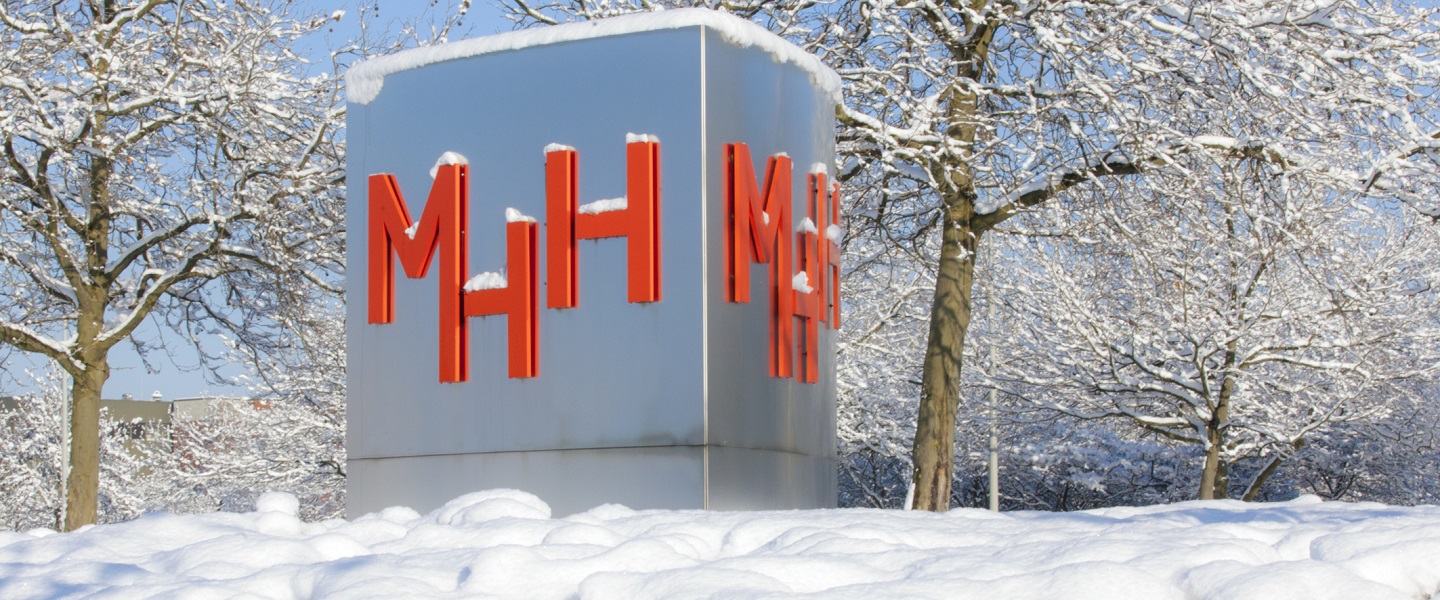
505, 544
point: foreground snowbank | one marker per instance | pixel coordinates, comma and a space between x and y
503, 543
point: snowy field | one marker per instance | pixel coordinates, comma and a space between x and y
504, 544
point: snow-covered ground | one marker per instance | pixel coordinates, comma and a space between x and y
505, 544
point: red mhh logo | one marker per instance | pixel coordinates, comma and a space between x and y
803, 259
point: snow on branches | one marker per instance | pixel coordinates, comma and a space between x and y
158, 160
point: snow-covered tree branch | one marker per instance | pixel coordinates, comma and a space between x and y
168, 160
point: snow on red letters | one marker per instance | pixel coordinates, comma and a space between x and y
635, 217
757, 225
757, 230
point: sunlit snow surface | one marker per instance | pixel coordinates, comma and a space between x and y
505, 544
364, 81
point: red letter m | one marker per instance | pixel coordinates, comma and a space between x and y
758, 229
441, 226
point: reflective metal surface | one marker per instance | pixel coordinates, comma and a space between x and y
788, 427
570, 481
651, 405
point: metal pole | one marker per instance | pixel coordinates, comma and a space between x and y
994, 427
65, 408
994, 431
994, 458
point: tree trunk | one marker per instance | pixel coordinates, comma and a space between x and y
1210, 472
1278, 459
1259, 482
1222, 480
82, 488
1215, 479
934, 451
82, 484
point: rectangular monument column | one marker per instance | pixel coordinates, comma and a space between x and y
595, 262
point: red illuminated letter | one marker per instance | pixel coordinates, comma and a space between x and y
635, 217
561, 203
826, 212
820, 261
757, 229
441, 229
808, 306
832, 256
517, 299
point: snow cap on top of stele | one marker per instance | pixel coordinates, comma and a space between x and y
364, 82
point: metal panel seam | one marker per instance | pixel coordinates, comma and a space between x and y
498, 452
704, 285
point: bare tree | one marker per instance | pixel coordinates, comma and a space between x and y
1000, 107
1241, 308
161, 159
